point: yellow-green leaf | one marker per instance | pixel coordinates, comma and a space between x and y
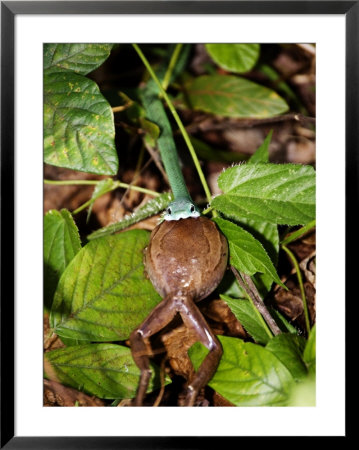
245, 313
246, 253
248, 374
105, 370
61, 243
288, 348
80, 58
79, 130
235, 58
275, 193
231, 96
103, 293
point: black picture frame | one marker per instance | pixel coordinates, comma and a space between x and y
9, 10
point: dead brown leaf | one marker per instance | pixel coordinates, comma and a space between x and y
56, 394
221, 319
177, 342
308, 265
290, 302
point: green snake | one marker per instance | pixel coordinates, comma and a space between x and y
182, 206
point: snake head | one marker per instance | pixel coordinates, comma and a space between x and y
181, 208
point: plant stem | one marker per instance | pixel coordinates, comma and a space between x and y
207, 210
120, 108
301, 286
137, 188
117, 184
72, 182
299, 233
171, 65
247, 284
178, 121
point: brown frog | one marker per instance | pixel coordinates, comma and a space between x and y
185, 261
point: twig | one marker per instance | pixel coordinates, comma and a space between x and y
256, 310
157, 160
211, 125
247, 284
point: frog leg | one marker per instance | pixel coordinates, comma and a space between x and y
156, 321
193, 319
162, 315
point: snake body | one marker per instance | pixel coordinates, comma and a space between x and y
182, 206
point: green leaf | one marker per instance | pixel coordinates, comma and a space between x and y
152, 131
245, 313
61, 243
229, 286
104, 186
152, 207
267, 235
304, 393
104, 294
236, 58
70, 342
231, 96
248, 374
282, 322
80, 58
288, 348
105, 370
78, 125
275, 193
246, 253
261, 155
309, 354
